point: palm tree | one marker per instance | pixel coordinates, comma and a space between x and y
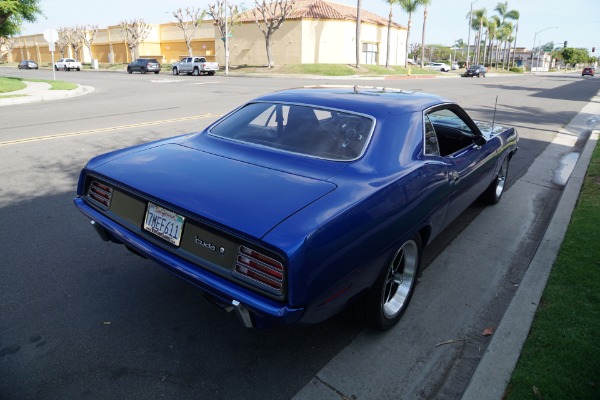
505, 13
409, 7
358, 12
460, 44
387, 54
492, 28
478, 21
516, 17
425, 3
506, 30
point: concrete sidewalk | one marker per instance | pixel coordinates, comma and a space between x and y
389, 366
40, 91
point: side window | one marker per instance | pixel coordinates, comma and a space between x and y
452, 133
431, 143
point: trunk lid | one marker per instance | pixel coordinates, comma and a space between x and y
249, 198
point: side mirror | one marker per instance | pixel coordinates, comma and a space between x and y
479, 140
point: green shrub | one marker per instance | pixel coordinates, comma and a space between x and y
518, 70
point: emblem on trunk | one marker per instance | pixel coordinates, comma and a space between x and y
208, 245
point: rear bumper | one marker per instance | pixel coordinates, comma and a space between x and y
252, 309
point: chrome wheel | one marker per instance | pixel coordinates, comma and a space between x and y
501, 179
388, 298
401, 277
493, 193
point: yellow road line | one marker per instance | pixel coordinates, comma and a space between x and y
101, 130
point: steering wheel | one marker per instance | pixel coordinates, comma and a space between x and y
351, 129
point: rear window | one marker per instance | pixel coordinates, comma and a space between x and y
311, 131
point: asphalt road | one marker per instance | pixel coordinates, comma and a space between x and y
80, 318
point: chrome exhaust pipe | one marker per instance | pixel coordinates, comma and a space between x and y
242, 313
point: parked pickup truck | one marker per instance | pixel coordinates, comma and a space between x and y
67, 64
195, 65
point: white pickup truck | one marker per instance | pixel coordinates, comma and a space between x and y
67, 64
195, 65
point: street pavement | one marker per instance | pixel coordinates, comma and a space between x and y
365, 369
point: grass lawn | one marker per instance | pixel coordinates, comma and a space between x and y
333, 70
12, 84
561, 357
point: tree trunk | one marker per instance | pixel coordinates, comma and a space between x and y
515, 44
423, 38
358, 23
407, 39
269, 52
389, 35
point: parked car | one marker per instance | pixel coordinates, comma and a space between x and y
587, 71
143, 65
475, 70
438, 66
27, 64
67, 64
195, 65
302, 202
455, 66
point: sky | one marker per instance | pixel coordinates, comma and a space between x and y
543, 20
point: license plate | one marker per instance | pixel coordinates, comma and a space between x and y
164, 223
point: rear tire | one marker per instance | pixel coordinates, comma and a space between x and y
388, 298
196, 71
211, 73
143, 70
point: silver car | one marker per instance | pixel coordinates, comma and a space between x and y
438, 66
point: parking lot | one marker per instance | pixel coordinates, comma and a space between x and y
86, 319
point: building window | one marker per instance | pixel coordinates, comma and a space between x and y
370, 53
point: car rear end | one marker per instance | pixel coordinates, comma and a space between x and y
153, 66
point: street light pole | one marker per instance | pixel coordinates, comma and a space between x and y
469, 36
226, 43
534, 37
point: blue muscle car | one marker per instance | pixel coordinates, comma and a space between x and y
302, 202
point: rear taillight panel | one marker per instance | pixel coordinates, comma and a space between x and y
100, 194
260, 270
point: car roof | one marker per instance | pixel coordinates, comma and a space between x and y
372, 101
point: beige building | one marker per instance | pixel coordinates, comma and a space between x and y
316, 32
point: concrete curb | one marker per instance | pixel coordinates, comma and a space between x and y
40, 91
494, 371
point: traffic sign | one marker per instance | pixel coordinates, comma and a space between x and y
51, 35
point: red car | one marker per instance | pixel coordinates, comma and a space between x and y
587, 71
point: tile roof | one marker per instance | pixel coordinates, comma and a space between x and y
321, 9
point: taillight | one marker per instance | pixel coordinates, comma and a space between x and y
100, 194
261, 270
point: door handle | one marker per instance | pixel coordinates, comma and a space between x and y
455, 176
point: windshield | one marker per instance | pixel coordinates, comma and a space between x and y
311, 131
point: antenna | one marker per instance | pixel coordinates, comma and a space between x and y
494, 119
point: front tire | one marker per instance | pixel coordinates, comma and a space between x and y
493, 193
175, 71
388, 298
55, 68
129, 71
